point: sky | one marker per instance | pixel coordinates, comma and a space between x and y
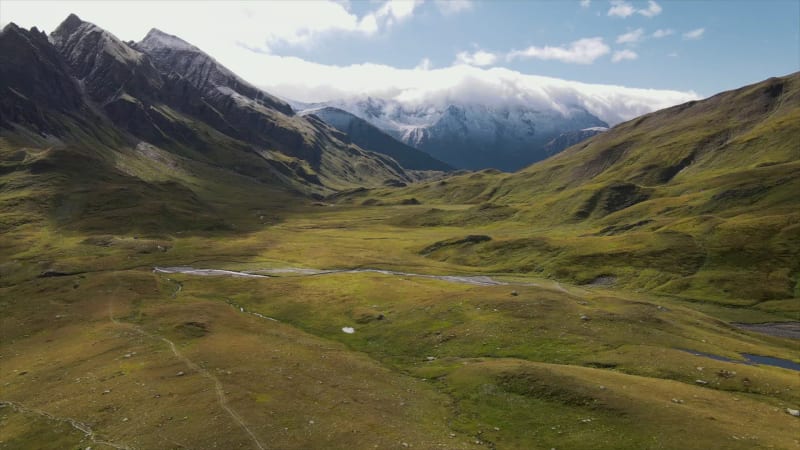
668, 51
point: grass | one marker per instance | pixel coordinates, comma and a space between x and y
152, 360
697, 201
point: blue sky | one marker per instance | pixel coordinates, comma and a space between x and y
742, 41
617, 58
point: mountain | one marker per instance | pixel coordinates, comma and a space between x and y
171, 53
185, 263
471, 135
570, 138
368, 136
93, 111
698, 200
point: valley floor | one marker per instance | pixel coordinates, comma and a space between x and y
331, 327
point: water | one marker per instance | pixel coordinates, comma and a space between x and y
772, 361
711, 356
751, 360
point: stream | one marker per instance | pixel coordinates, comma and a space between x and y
477, 280
750, 359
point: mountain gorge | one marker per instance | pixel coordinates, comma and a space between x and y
469, 134
369, 136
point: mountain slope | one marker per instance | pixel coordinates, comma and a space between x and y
370, 137
570, 138
127, 148
697, 200
93, 111
172, 53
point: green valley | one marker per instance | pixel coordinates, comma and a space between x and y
171, 278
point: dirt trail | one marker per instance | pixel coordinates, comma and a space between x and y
80, 426
222, 399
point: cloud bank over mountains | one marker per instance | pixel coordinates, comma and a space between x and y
462, 84
245, 34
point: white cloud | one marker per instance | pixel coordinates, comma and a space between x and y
478, 58
694, 34
586, 3
622, 8
306, 81
424, 64
217, 24
658, 34
448, 7
582, 51
622, 55
397, 9
653, 9
220, 28
631, 37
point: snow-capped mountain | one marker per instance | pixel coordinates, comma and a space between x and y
470, 135
370, 137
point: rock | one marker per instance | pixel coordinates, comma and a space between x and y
701, 382
348, 330
793, 412
53, 273
180, 374
124, 419
410, 201
514, 293
585, 318
723, 373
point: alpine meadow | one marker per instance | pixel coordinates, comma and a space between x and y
400, 224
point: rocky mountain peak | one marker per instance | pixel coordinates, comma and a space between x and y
78, 38
173, 54
157, 40
69, 25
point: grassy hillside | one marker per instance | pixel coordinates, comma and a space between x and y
698, 200
607, 279
138, 355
